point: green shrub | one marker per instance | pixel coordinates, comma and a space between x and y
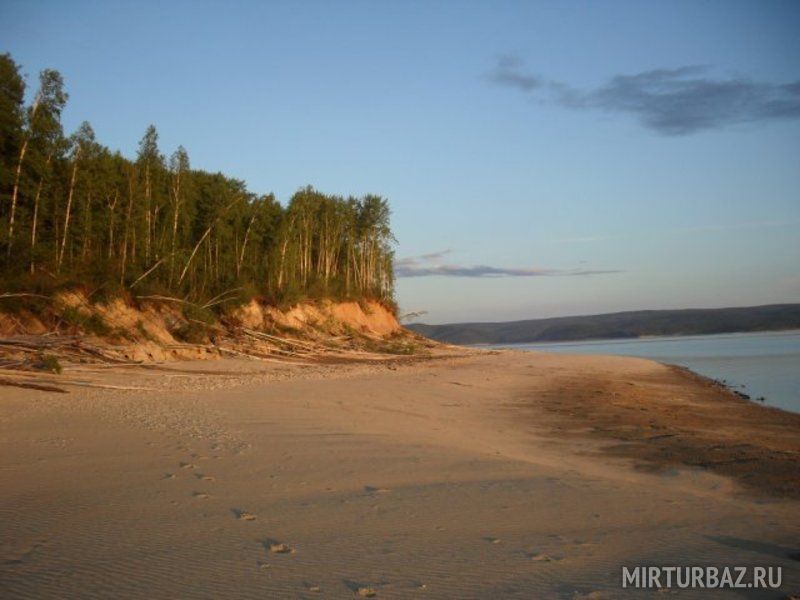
88, 323
192, 312
48, 362
393, 346
192, 333
143, 332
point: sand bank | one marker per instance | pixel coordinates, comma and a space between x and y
490, 475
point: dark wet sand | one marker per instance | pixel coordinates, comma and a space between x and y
673, 417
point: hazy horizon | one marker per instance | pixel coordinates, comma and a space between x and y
420, 320
540, 159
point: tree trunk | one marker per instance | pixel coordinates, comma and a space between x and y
147, 213
36, 219
176, 192
87, 227
17, 176
124, 258
111, 219
244, 245
67, 213
15, 194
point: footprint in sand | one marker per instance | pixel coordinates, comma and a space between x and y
22, 555
540, 557
492, 540
200, 495
168, 476
243, 515
185, 465
278, 547
360, 589
371, 489
202, 477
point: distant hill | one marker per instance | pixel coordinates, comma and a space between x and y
773, 317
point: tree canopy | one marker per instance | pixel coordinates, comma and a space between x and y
72, 210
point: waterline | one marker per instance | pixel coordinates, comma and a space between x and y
762, 364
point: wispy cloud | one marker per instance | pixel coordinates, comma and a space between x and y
509, 71
672, 102
435, 256
427, 265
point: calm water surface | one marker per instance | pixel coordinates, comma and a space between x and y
759, 364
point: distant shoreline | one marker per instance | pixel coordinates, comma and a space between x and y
643, 338
619, 326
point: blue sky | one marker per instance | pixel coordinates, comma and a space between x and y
541, 159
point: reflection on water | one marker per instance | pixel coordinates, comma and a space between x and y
759, 364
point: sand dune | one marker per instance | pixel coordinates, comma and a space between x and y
465, 477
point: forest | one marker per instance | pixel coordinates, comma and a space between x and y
74, 212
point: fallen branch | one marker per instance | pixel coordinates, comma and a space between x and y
261, 357
32, 386
274, 338
219, 298
146, 273
23, 295
200, 241
163, 299
104, 386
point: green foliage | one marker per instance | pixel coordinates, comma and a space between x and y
109, 290
143, 332
88, 323
48, 362
154, 226
237, 298
394, 346
192, 332
192, 312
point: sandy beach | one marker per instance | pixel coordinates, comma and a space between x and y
468, 475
